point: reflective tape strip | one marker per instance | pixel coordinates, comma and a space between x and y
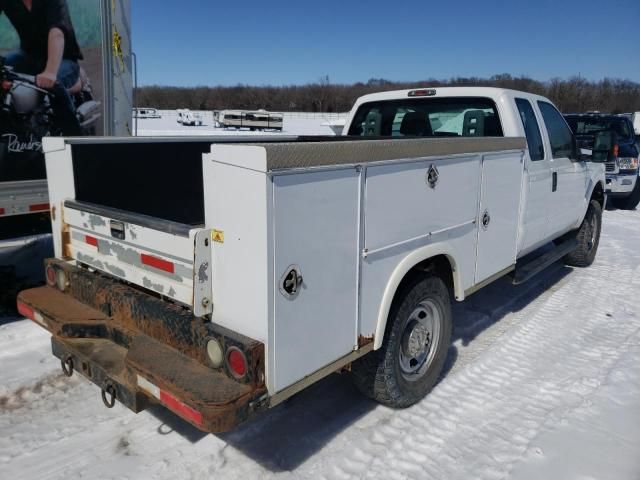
169, 401
180, 408
91, 240
158, 263
37, 317
25, 310
39, 207
148, 387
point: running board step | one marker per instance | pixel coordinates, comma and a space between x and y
527, 270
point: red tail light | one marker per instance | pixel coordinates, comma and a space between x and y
616, 150
237, 362
425, 92
6, 85
1, 211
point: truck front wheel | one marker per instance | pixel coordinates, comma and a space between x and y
588, 237
415, 346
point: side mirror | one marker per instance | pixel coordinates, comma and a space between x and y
602, 146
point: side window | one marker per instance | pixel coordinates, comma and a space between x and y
531, 129
560, 135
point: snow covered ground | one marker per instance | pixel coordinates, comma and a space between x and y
543, 381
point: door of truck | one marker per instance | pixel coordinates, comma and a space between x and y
316, 241
568, 174
537, 180
498, 213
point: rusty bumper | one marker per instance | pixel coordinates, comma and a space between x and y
140, 349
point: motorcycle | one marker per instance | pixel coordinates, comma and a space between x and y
26, 116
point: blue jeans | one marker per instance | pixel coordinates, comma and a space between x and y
61, 101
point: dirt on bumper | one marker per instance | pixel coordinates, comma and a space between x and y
123, 339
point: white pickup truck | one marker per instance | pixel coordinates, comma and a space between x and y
219, 279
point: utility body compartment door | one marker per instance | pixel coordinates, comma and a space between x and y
316, 225
498, 213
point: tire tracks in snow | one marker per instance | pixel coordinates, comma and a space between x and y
483, 418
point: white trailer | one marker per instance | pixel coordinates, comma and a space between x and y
24, 200
253, 120
239, 273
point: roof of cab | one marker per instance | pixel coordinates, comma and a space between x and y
490, 92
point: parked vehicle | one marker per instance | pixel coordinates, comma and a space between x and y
188, 118
244, 270
623, 188
258, 120
635, 119
146, 113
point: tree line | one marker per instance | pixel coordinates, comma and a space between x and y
575, 94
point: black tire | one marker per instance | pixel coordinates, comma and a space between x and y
588, 236
630, 202
379, 375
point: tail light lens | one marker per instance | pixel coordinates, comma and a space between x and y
6, 85
214, 352
62, 282
236, 362
51, 275
616, 150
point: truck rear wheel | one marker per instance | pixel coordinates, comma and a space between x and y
630, 202
588, 236
415, 346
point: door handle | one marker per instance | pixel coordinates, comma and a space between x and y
554, 181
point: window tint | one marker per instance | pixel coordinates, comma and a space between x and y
591, 125
560, 135
531, 129
428, 117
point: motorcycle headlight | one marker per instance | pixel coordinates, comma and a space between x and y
627, 163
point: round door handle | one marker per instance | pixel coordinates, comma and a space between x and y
486, 219
291, 282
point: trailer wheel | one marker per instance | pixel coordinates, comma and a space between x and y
588, 236
415, 346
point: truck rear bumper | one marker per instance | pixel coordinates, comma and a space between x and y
132, 359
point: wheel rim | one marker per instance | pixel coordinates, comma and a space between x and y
591, 232
419, 340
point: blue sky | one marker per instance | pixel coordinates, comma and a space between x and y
209, 42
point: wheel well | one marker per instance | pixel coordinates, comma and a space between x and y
598, 194
438, 265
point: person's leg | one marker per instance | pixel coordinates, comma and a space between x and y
23, 63
62, 103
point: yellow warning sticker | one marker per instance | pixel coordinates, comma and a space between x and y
217, 236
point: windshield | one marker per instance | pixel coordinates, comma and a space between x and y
428, 117
591, 126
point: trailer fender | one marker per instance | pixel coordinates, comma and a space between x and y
405, 266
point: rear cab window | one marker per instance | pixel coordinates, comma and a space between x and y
531, 129
428, 117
